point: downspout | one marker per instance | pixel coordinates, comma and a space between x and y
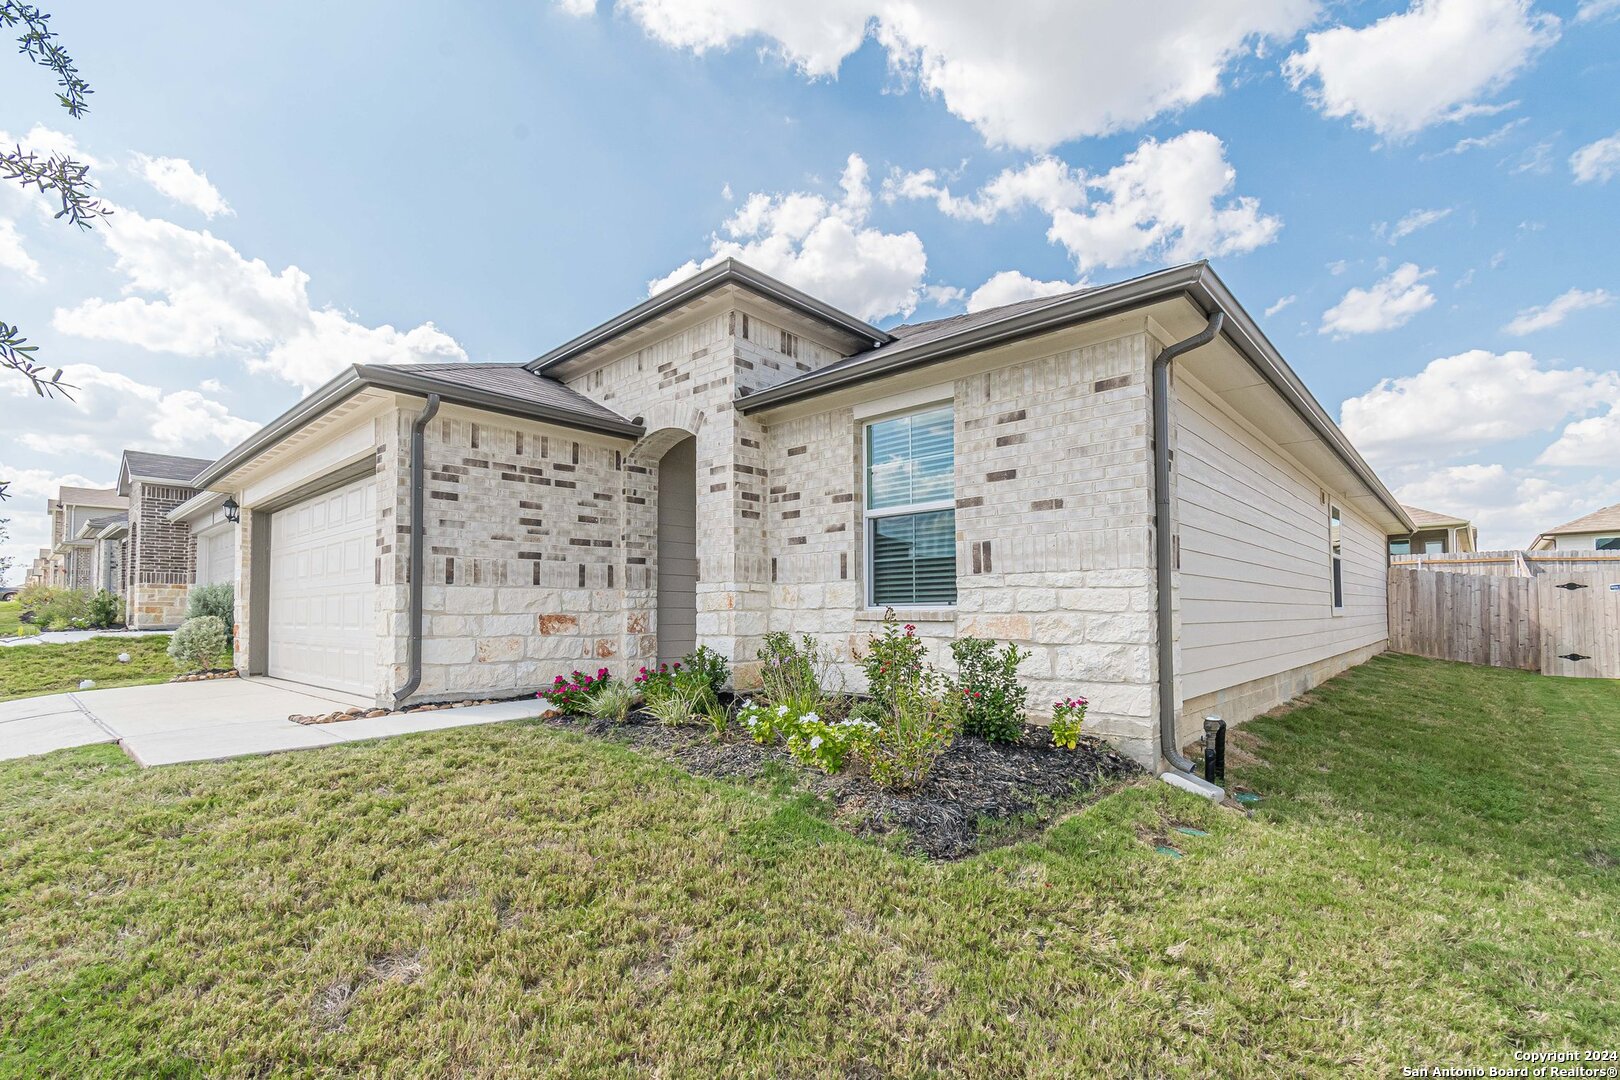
418, 438
1163, 537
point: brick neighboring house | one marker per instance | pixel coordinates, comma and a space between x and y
74, 556
157, 552
105, 536
733, 456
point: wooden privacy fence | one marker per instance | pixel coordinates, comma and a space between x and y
1557, 624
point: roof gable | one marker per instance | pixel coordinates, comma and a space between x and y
1597, 521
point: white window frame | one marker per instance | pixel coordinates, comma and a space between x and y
869, 515
1335, 559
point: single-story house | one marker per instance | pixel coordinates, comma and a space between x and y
105, 535
74, 557
159, 553
1127, 480
1597, 531
1437, 534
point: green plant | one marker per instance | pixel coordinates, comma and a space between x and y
766, 722
572, 694
1067, 717
610, 700
677, 701
708, 667
992, 697
895, 660
793, 674
198, 643
105, 609
56, 609
923, 723
718, 717
218, 600
826, 744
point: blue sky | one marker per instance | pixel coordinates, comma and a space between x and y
1418, 200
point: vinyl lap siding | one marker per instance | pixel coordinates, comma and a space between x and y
1256, 591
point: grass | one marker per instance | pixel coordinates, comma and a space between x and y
1430, 879
11, 624
31, 670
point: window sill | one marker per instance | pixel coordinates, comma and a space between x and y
908, 614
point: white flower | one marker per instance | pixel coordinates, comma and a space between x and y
815, 741
781, 710
810, 718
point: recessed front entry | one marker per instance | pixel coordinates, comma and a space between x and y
677, 551
323, 624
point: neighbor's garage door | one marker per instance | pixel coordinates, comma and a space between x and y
322, 626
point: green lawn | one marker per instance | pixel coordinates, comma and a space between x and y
1431, 879
11, 624
30, 670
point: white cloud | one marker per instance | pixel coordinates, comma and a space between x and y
1592, 441
1392, 301
577, 7
1597, 162
1459, 403
110, 412
192, 293
1510, 507
1025, 75
1593, 10
1046, 183
1010, 286
180, 181
1481, 142
1412, 222
1282, 302
822, 246
1430, 64
13, 256
45, 141
1545, 316
1164, 202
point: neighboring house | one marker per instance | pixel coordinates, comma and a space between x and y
39, 571
157, 552
105, 535
74, 556
1437, 534
1597, 531
732, 457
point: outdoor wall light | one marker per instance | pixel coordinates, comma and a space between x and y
233, 512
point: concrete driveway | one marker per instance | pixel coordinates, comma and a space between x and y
216, 719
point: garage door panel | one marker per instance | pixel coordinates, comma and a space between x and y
322, 591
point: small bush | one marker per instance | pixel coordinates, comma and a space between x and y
677, 700
198, 643
923, 723
610, 700
709, 667
793, 674
1068, 716
766, 722
105, 610
218, 600
992, 697
827, 744
572, 694
57, 609
896, 660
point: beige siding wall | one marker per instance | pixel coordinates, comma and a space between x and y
1255, 592
1581, 541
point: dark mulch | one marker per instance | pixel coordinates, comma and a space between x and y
977, 794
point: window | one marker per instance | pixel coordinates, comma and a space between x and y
1608, 543
1434, 547
1400, 547
911, 509
1336, 556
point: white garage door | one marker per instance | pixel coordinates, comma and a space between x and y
322, 623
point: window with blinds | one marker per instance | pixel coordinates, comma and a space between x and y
911, 509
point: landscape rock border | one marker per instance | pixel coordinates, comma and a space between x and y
355, 712
212, 673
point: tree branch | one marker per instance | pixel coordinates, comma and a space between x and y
38, 43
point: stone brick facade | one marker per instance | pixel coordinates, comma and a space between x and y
159, 567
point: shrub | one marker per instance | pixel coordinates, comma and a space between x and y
790, 674
992, 697
1067, 717
105, 610
765, 723
57, 609
572, 694
198, 643
896, 660
653, 683
218, 600
709, 667
922, 725
610, 700
826, 744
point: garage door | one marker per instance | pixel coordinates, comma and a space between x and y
322, 624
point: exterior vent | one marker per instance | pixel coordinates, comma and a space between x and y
1573, 656
1571, 585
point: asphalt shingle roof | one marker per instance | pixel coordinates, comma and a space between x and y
1597, 521
1427, 518
165, 466
517, 382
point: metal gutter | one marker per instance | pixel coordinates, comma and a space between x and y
414, 643
1164, 526
200, 503
727, 272
381, 376
1194, 281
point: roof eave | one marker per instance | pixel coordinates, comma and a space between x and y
726, 272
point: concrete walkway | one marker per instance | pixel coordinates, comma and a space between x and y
63, 637
213, 720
